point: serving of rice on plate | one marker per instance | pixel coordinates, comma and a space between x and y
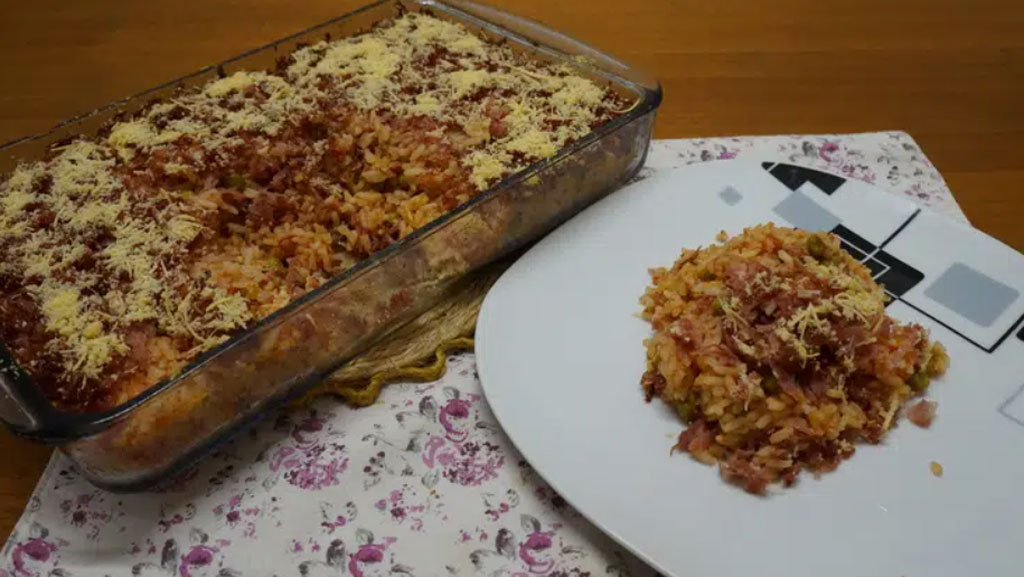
775, 349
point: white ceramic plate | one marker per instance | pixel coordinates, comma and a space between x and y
560, 355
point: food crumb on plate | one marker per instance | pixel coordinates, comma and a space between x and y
922, 413
936, 468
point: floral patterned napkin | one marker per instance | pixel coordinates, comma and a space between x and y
422, 483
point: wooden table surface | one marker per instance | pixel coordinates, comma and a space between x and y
951, 73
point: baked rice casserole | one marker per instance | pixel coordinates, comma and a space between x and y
125, 256
775, 349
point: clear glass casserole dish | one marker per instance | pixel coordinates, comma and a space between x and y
173, 423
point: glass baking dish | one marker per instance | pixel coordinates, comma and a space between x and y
175, 422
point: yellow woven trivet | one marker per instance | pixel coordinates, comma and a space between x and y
417, 351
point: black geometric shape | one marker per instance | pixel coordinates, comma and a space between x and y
852, 251
853, 238
875, 267
795, 176
828, 183
767, 165
900, 278
1020, 333
792, 176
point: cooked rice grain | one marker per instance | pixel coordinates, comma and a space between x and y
775, 350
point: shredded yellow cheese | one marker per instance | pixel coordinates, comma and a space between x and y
392, 69
370, 66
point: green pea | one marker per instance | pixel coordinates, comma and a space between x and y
816, 247
237, 180
770, 384
685, 410
919, 381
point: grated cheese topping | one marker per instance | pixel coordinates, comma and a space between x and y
552, 105
383, 69
99, 250
854, 301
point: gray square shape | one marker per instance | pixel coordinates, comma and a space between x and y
730, 196
971, 294
802, 212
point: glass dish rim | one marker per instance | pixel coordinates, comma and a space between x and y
54, 425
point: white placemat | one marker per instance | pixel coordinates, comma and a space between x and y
421, 483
